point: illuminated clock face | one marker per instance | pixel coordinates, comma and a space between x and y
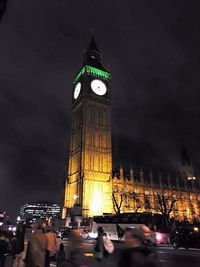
98, 87
77, 90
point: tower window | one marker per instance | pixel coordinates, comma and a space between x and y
92, 115
90, 162
101, 164
100, 118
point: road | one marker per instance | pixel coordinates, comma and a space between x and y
79, 251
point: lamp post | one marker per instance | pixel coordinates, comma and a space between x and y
75, 197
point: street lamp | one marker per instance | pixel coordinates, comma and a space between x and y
18, 219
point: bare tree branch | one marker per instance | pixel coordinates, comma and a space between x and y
121, 200
117, 206
166, 205
160, 203
171, 207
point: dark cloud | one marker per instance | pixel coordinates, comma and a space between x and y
152, 49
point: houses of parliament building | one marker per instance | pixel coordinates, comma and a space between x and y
91, 183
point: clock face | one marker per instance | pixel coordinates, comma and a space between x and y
77, 90
98, 87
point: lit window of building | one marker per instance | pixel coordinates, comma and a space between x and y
40, 209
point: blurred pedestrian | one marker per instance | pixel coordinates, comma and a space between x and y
149, 245
18, 246
134, 255
108, 245
99, 246
37, 247
61, 256
3, 248
51, 246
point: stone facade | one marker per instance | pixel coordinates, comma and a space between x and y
140, 193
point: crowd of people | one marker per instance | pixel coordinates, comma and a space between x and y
138, 249
40, 250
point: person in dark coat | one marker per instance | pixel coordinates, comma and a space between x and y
3, 248
18, 246
148, 243
61, 256
134, 255
99, 246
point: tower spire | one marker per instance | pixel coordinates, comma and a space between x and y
132, 173
141, 176
186, 168
169, 179
93, 56
151, 177
185, 160
3, 4
92, 45
160, 179
121, 171
177, 182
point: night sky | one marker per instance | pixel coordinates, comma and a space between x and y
153, 51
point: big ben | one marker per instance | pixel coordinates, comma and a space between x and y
89, 181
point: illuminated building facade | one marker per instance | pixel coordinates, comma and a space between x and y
89, 179
90, 182
40, 210
140, 191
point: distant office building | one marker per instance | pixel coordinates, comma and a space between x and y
40, 210
3, 4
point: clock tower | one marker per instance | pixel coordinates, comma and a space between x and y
89, 181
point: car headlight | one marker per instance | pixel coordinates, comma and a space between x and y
93, 235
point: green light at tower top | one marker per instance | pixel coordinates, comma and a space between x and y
93, 71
